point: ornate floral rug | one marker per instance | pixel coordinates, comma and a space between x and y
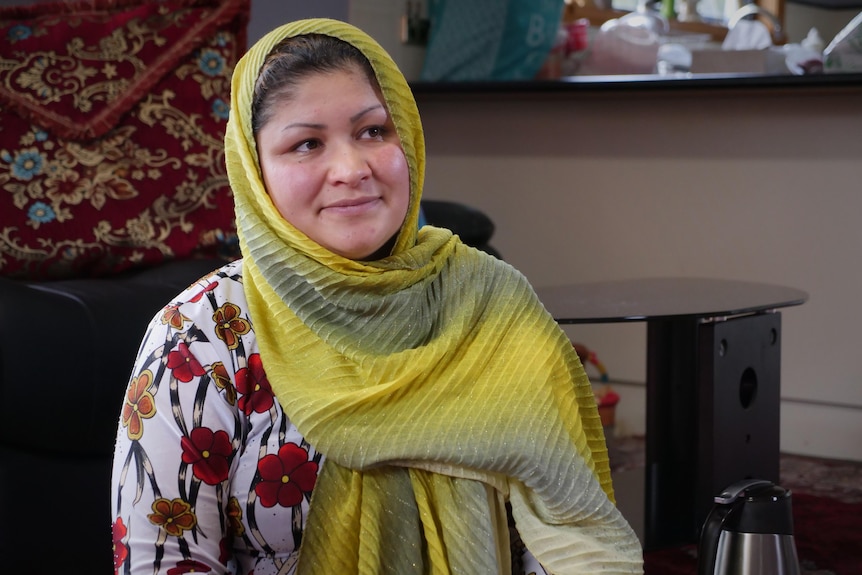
827, 514
112, 119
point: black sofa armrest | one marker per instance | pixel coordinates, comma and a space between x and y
67, 349
66, 354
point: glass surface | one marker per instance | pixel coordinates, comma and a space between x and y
663, 298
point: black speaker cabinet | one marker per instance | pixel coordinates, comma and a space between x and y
713, 402
739, 403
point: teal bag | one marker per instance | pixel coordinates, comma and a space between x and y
489, 39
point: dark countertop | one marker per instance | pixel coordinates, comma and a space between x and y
639, 83
830, 4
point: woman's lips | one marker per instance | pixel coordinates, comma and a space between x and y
353, 205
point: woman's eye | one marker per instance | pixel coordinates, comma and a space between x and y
375, 132
307, 146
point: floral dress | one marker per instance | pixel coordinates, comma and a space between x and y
209, 474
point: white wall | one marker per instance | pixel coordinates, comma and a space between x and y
267, 14
382, 20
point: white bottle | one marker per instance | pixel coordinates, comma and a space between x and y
813, 41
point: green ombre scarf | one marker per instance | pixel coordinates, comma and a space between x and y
433, 380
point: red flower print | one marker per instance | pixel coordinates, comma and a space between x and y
234, 517
252, 383
285, 477
224, 550
189, 566
208, 453
184, 365
139, 405
118, 530
172, 317
222, 380
173, 516
196, 298
228, 325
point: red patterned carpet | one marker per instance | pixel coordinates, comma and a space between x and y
827, 513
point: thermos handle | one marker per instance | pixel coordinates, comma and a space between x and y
708, 549
735, 491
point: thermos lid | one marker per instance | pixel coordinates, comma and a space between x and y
758, 507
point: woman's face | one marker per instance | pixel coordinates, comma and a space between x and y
333, 165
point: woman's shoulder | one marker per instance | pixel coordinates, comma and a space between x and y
213, 291
225, 282
492, 265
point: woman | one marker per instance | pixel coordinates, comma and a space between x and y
354, 395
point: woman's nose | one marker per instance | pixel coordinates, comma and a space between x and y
349, 165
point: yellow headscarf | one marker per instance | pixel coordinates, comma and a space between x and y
433, 380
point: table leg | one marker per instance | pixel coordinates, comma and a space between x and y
671, 432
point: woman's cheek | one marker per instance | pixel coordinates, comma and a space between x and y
395, 164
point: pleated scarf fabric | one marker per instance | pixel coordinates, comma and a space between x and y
433, 380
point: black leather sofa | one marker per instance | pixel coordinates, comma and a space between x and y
66, 353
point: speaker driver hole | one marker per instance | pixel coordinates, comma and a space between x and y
747, 387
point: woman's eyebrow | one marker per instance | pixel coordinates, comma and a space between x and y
356, 117
314, 126
303, 125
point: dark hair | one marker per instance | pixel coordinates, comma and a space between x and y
295, 58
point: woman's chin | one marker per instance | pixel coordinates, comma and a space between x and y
365, 253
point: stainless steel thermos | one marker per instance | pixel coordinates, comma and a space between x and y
749, 532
